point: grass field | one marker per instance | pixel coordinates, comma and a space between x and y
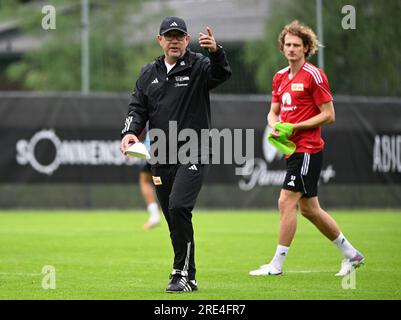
107, 255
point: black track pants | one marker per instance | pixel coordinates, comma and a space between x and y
177, 188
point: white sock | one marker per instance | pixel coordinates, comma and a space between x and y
154, 215
345, 247
278, 259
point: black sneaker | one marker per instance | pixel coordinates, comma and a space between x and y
193, 284
179, 283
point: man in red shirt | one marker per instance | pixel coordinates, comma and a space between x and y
301, 96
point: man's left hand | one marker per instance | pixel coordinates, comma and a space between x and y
207, 41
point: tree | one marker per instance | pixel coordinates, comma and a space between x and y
115, 59
361, 61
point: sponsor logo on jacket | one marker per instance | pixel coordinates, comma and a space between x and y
180, 81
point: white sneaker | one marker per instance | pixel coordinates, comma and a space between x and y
266, 270
349, 265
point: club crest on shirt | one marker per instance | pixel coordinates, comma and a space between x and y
286, 99
297, 87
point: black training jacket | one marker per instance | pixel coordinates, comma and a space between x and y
182, 95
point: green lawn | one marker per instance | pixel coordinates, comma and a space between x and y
107, 255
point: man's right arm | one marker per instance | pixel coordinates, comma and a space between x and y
273, 116
136, 118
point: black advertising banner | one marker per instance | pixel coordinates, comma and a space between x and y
363, 146
64, 138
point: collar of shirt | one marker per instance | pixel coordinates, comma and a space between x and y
169, 66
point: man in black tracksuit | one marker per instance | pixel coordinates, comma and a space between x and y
175, 87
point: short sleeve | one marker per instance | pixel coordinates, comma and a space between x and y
320, 88
275, 86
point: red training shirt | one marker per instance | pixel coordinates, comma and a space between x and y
299, 99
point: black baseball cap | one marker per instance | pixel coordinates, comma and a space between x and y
172, 23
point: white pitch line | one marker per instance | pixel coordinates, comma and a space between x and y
309, 271
19, 274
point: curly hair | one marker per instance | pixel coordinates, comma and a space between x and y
302, 31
